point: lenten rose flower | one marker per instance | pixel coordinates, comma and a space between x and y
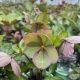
40, 49
67, 47
73, 39
6, 59
37, 10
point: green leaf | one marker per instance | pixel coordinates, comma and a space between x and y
48, 78
53, 78
57, 41
74, 76
62, 71
48, 74
63, 35
52, 68
28, 6
62, 76
43, 7
16, 48
22, 46
57, 78
11, 76
2, 17
77, 69
43, 18
21, 78
1, 38
11, 17
7, 48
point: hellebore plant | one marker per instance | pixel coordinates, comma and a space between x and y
40, 35
7, 20
40, 48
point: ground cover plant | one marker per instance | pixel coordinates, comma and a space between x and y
39, 41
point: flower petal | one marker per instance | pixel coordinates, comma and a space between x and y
52, 52
67, 49
73, 39
31, 39
15, 67
41, 60
5, 59
30, 51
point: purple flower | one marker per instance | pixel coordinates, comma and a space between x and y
6, 59
67, 48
